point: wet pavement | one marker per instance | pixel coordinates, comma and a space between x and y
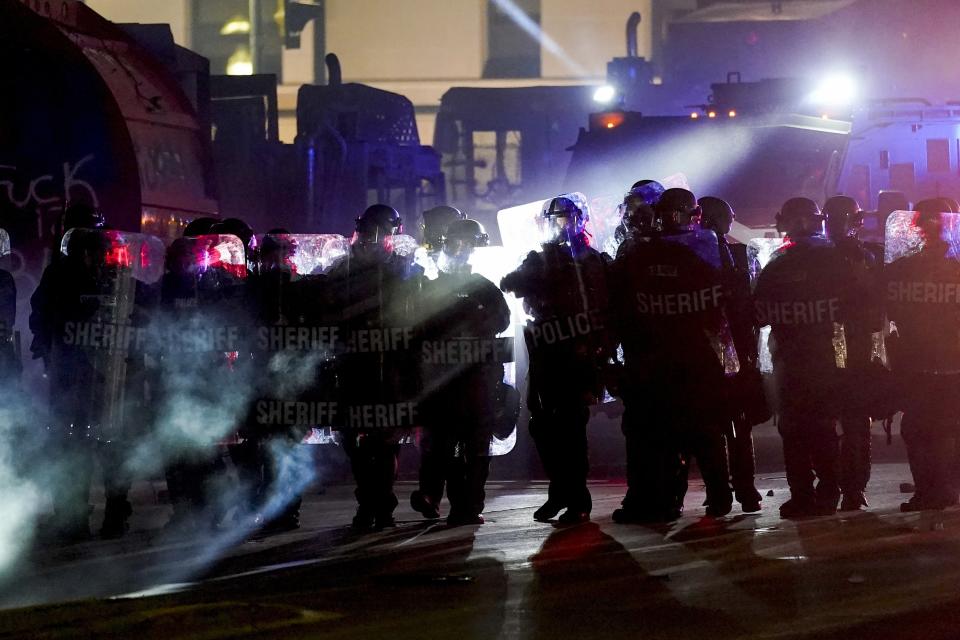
872, 574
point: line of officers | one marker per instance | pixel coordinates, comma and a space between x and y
670, 326
673, 329
150, 373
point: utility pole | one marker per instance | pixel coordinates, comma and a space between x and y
256, 31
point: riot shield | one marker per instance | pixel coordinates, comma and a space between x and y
704, 245
302, 254
923, 295
604, 220
801, 295
9, 354
4, 245
200, 337
460, 358
679, 353
369, 304
902, 237
427, 263
103, 294
295, 340
760, 251
494, 263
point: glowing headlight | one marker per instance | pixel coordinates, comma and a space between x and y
605, 94
837, 89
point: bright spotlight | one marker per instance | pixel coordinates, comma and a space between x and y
605, 94
837, 89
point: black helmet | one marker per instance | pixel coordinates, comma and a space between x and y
91, 245
380, 220
928, 211
843, 216
650, 190
467, 231
677, 208
436, 221
800, 217
570, 207
200, 227
82, 214
716, 214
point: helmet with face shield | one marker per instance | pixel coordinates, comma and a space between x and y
563, 219
461, 238
375, 226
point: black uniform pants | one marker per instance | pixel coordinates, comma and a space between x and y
660, 445
742, 460
450, 461
437, 448
373, 459
854, 454
810, 453
191, 483
71, 495
265, 482
117, 480
930, 436
560, 435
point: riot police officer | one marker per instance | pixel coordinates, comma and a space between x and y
202, 305
921, 299
843, 219
435, 223
804, 294
275, 298
718, 216
55, 303
564, 287
96, 375
637, 218
370, 293
460, 308
669, 297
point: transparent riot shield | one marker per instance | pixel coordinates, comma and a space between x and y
519, 230
493, 263
703, 243
760, 251
902, 237
9, 356
604, 220
816, 295
201, 337
302, 254
295, 339
678, 346
923, 295
99, 314
369, 301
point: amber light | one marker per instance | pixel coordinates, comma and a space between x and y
712, 114
607, 120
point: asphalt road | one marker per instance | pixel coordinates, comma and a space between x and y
873, 574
